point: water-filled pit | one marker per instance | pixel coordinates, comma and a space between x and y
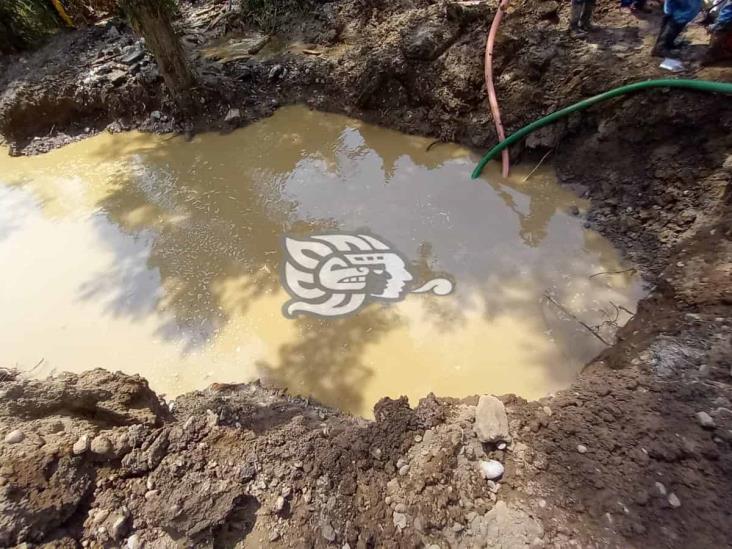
153, 255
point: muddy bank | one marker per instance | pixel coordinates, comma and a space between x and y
637, 453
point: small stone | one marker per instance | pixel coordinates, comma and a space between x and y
133, 542
400, 520
582, 449
156, 115
376, 452
234, 115
547, 410
119, 527
279, 504
417, 438
501, 446
101, 445
491, 469
14, 437
81, 445
674, 500
403, 470
151, 494
704, 370
705, 420
276, 72
116, 77
328, 532
100, 516
661, 488
149, 484
274, 536
491, 422
400, 508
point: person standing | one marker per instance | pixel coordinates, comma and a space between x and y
677, 14
720, 44
580, 20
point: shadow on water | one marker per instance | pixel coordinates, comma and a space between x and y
196, 230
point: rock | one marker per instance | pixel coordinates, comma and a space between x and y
674, 501
491, 422
279, 504
328, 532
133, 55
81, 445
400, 520
119, 526
400, 508
582, 449
156, 115
276, 72
548, 9
661, 488
428, 41
705, 420
491, 469
14, 437
403, 470
133, 542
117, 77
101, 445
234, 115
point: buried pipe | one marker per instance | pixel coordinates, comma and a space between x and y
492, 98
699, 85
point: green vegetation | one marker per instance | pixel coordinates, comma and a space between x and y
26, 23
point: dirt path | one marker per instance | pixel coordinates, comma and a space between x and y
637, 453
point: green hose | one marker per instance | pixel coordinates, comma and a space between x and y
701, 85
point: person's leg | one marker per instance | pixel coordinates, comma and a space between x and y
575, 16
659, 48
586, 18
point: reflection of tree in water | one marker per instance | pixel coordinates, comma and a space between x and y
543, 205
326, 360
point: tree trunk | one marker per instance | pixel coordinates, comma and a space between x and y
150, 19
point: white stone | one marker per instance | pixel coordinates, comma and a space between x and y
234, 115
705, 420
81, 445
582, 449
133, 542
674, 500
400, 520
661, 488
13, 437
491, 422
491, 469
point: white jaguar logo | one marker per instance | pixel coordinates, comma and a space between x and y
336, 274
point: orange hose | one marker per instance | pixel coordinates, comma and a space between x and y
492, 99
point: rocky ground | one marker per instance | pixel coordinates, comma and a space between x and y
637, 453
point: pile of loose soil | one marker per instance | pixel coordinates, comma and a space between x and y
637, 453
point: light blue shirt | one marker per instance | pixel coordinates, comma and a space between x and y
682, 11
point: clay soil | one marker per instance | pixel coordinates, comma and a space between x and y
636, 453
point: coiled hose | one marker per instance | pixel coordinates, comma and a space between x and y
699, 85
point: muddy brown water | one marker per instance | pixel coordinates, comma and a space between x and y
153, 255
